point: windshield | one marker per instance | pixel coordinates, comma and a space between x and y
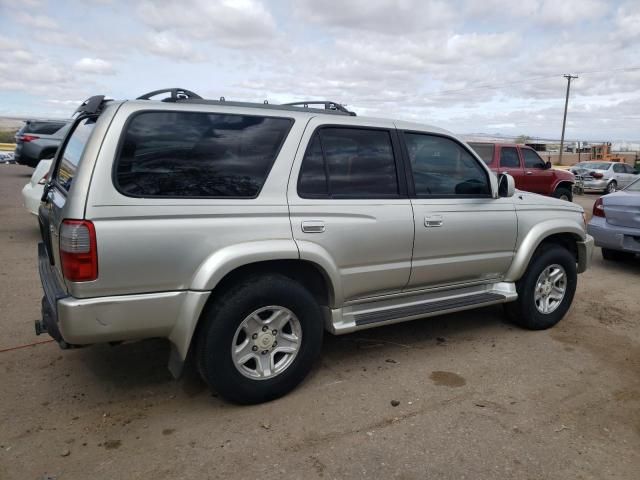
593, 165
634, 187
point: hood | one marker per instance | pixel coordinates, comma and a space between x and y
530, 201
564, 175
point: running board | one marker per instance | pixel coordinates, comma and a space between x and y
410, 306
426, 308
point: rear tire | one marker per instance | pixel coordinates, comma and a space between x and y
612, 186
241, 323
551, 275
616, 255
563, 193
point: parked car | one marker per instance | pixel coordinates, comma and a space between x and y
39, 139
615, 224
32, 191
530, 172
242, 231
604, 176
7, 157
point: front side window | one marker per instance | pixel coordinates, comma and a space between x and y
509, 157
72, 154
193, 154
442, 167
349, 163
531, 159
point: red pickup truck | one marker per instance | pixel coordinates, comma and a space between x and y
530, 172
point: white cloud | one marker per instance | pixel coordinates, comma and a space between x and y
94, 66
231, 23
168, 44
34, 20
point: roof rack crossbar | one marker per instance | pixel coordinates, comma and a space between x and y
176, 94
328, 105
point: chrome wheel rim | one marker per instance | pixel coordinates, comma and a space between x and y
611, 187
550, 288
266, 342
564, 197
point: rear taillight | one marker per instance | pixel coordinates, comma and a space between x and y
596, 175
28, 138
598, 208
78, 251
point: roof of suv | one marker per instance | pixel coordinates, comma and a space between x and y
185, 97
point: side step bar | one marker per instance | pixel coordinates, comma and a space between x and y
428, 308
405, 306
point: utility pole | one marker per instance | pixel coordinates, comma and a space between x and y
564, 120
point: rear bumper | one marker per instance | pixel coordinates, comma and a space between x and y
83, 321
614, 237
595, 185
585, 252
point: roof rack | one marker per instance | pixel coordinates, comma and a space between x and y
328, 105
176, 94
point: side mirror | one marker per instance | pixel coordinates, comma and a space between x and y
547, 165
506, 185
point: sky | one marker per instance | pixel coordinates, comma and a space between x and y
470, 66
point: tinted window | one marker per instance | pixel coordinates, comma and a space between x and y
618, 168
531, 159
190, 154
484, 151
509, 157
313, 178
360, 163
441, 166
43, 128
73, 151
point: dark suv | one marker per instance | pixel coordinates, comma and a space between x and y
530, 172
39, 139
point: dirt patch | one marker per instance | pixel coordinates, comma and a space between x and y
447, 379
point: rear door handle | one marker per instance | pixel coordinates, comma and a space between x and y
313, 226
433, 220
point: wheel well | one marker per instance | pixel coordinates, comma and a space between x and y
306, 273
47, 153
565, 184
565, 240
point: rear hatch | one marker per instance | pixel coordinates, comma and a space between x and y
52, 210
623, 209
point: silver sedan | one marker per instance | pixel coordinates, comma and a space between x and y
604, 176
615, 224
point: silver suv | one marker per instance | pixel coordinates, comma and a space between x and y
241, 232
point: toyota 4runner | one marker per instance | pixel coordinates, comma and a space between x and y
242, 231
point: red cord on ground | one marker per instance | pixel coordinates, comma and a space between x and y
25, 346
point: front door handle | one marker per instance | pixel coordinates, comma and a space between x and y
313, 226
528, 172
433, 220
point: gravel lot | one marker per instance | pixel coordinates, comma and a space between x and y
478, 398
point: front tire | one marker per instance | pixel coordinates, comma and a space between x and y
259, 339
612, 186
546, 289
563, 193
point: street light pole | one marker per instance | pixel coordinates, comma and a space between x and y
564, 120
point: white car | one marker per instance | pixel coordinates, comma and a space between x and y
32, 191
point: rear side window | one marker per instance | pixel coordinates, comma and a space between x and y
349, 163
43, 128
484, 151
72, 153
193, 154
618, 168
442, 167
509, 157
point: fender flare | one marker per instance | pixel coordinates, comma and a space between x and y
534, 238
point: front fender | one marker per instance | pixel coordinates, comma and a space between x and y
534, 238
